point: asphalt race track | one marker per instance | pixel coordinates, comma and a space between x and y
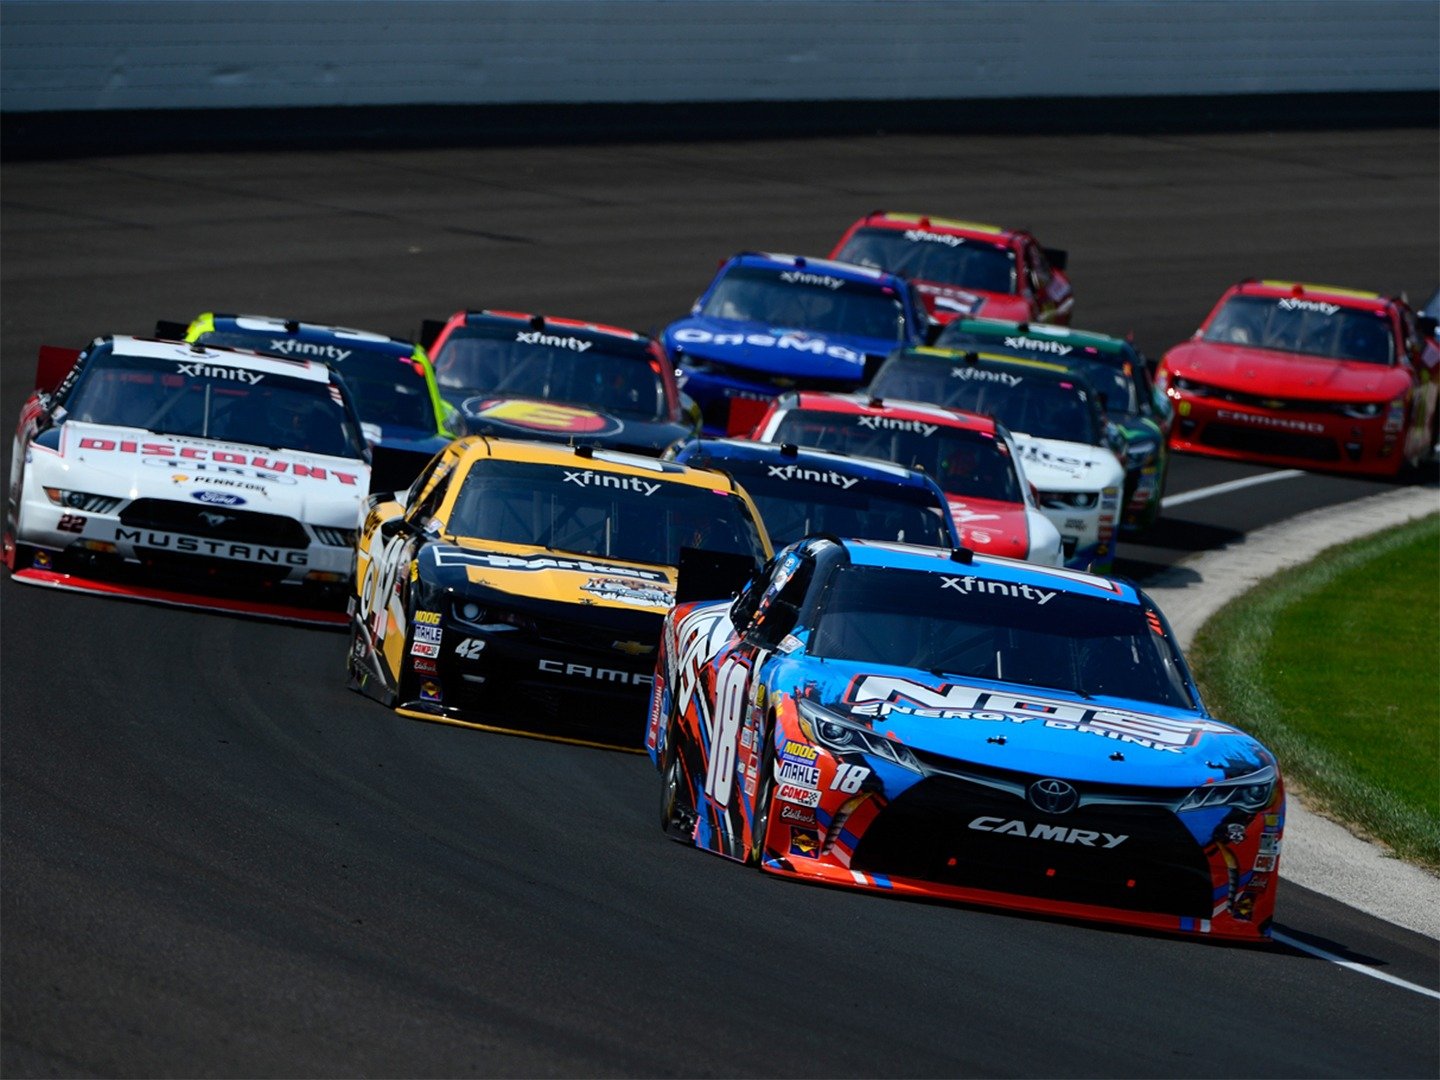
217, 861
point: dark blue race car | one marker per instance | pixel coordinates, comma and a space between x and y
802, 491
771, 323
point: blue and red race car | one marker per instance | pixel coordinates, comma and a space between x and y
962, 727
771, 323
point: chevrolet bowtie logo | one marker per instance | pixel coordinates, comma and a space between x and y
631, 648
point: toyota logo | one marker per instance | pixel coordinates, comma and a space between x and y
1053, 796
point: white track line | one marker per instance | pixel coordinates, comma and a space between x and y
1285, 939
1232, 485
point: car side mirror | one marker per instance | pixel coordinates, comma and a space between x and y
1426, 324
397, 525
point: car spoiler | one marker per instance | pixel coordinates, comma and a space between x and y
395, 470
53, 364
710, 575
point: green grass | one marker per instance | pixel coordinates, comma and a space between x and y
1335, 665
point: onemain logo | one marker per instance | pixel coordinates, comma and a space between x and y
802, 343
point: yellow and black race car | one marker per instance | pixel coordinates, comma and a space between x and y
520, 586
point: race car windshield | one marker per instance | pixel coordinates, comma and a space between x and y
970, 627
793, 506
210, 400
575, 371
924, 256
961, 461
830, 306
1108, 375
588, 511
1311, 327
388, 389
1042, 407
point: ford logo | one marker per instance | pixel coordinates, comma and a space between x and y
218, 498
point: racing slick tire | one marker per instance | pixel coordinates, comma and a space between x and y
764, 797
677, 810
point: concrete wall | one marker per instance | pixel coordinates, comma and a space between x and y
82, 55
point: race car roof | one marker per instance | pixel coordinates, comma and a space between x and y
716, 453
807, 264
950, 226
475, 447
319, 333
995, 567
508, 318
864, 405
245, 359
999, 329
1000, 361
1356, 298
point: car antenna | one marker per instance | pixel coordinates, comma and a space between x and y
789, 449
962, 555
292, 326
537, 322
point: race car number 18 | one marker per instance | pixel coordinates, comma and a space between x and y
729, 709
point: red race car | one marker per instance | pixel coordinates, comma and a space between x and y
1309, 377
972, 458
962, 268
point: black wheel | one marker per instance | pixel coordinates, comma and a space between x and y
677, 807
764, 798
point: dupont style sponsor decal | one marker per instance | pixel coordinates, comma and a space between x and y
633, 591
881, 695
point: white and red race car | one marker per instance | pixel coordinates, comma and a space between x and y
190, 475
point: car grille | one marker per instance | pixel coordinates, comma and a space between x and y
926, 834
216, 523
1270, 443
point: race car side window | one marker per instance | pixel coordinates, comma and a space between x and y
779, 606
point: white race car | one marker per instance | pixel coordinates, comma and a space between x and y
1067, 447
190, 475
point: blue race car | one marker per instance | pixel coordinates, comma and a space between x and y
404, 417
771, 323
963, 727
801, 491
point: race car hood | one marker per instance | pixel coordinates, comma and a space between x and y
1265, 372
1029, 730
530, 418
1056, 465
991, 527
131, 463
551, 576
773, 350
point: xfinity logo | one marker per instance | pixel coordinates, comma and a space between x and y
537, 338
887, 423
589, 478
291, 347
1058, 833
967, 585
971, 374
798, 472
1035, 345
800, 277
208, 371
1323, 308
933, 238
